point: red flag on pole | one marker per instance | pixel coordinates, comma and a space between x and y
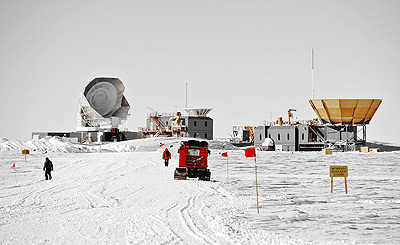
251, 152
13, 166
224, 154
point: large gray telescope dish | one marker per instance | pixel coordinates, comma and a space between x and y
102, 100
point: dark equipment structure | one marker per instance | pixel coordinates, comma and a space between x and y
103, 108
193, 156
341, 126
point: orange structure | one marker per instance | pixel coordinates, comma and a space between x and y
345, 111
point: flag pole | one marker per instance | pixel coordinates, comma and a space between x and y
15, 173
258, 209
227, 174
255, 167
251, 152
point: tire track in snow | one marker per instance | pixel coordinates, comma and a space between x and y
178, 217
92, 192
189, 220
90, 199
31, 195
174, 237
209, 194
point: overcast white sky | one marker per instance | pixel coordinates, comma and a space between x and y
248, 60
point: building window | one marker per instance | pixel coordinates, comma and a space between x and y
302, 136
288, 136
205, 123
195, 134
195, 123
279, 136
269, 136
260, 137
205, 135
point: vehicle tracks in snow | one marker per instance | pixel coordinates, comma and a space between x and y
187, 217
133, 197
186, 221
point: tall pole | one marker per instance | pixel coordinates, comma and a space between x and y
255, 168
312, 71
186, 95
227, 175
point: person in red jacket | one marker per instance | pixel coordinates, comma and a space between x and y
166, 156
48, 167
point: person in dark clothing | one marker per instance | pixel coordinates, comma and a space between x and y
166, 156
48, 167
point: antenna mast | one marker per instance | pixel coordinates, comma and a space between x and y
312, 71
186, 95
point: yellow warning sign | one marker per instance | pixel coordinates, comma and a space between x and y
338, 171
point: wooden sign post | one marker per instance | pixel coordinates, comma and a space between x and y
25, 152
338, 171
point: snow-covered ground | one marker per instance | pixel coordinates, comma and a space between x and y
121, 193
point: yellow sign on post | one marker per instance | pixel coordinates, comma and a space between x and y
25, 152
338, 171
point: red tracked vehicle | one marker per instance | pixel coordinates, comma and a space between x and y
193, 156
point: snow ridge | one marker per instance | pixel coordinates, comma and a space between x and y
57, 144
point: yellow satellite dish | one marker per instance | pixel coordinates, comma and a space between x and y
345, 111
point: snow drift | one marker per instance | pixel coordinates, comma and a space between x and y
57, 144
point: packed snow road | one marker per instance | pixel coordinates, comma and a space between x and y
117, 198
